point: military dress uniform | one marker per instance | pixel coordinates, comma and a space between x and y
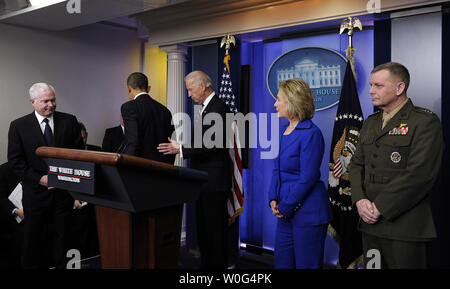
395, 167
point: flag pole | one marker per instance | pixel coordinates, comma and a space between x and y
227, 41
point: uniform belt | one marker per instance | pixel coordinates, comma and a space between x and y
377, 179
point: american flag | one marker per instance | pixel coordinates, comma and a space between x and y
236, 197
226, 91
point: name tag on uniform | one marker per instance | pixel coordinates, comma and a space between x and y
401, 130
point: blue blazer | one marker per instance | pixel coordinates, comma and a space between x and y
302, 197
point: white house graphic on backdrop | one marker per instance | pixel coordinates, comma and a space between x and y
315, 75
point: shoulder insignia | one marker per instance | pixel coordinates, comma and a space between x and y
375, 113
424, 110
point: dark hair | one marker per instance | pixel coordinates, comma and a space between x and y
82, 127
396, 69
138, 80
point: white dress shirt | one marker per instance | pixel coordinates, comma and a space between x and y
139, 94
207, 100
40, 119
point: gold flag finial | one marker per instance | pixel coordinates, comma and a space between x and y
350, 24
227, 41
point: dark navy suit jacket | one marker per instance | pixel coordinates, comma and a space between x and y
212, 160
147, 124
24, 137
296, 185
113, 139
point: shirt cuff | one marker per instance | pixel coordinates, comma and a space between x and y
14, 211
181, 151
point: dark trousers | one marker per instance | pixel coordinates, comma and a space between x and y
55, 220
83, 231
393, 254
11, 239
212, 226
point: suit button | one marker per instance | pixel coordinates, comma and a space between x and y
372, 166
375, 155
377, 145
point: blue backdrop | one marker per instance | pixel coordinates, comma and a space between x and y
257, 224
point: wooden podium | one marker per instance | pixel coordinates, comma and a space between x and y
139, 202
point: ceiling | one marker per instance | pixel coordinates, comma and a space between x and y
8, 6
55, 16
154, 14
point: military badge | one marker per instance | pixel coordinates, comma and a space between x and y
396, 157
401, 130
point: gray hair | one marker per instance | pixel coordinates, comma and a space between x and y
199, 77
38, 88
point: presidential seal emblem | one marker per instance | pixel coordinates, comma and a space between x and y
396, 157
323, 69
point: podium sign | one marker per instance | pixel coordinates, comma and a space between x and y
71, 175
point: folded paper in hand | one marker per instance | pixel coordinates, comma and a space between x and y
16, 199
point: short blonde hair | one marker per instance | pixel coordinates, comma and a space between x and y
299, 98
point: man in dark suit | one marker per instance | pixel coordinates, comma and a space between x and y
84, 136
113, 138
83, 225
43, 127
11, 235
147, 122
212, 217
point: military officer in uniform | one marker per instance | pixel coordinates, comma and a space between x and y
393, 171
